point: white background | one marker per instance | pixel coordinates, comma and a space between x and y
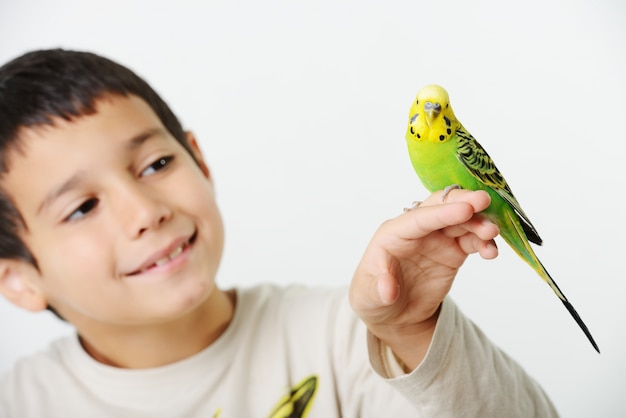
301, 110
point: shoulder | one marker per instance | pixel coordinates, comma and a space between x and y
49, 358
35, 376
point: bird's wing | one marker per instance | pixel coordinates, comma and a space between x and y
480, 165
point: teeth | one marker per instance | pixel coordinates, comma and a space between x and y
176, 251
162, 261
171, 255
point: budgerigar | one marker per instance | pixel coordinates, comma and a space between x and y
445, 155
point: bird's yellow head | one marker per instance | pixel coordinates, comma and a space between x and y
431, 117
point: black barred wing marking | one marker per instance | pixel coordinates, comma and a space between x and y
478, 162
481, 166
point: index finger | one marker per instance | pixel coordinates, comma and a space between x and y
433, 214
479, 199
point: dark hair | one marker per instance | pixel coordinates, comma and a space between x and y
41, 85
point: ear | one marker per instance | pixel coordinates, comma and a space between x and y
197, 153
17, 284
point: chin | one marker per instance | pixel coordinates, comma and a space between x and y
190, 299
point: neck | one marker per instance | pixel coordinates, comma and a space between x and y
139, 347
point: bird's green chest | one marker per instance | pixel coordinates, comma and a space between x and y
436, 164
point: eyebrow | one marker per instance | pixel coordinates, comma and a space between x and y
77, 178
69, 184
136, 141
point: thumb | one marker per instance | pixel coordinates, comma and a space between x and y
388, 289
370, 295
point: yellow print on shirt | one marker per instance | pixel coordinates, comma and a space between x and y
298, 402
295, 404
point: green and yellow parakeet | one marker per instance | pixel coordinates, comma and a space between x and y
444, 154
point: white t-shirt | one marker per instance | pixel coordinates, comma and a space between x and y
288, 352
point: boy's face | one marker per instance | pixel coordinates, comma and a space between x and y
120, 218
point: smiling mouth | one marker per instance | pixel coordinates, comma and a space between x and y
175, 253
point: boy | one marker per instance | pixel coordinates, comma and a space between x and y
108, 218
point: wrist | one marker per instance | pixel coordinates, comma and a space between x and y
409, 343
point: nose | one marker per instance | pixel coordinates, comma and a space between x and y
140, 209
432, 110
432, 107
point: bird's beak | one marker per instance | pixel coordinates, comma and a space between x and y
431, 114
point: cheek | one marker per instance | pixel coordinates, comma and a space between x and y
210, 222
62, 258
202, 205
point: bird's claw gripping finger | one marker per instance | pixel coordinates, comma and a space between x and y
447, 190
413, 206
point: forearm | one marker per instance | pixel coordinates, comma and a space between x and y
463, 374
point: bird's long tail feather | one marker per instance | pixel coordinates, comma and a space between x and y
528, 255
568, 305
580, 323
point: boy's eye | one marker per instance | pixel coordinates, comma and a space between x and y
84, 209
157, 165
